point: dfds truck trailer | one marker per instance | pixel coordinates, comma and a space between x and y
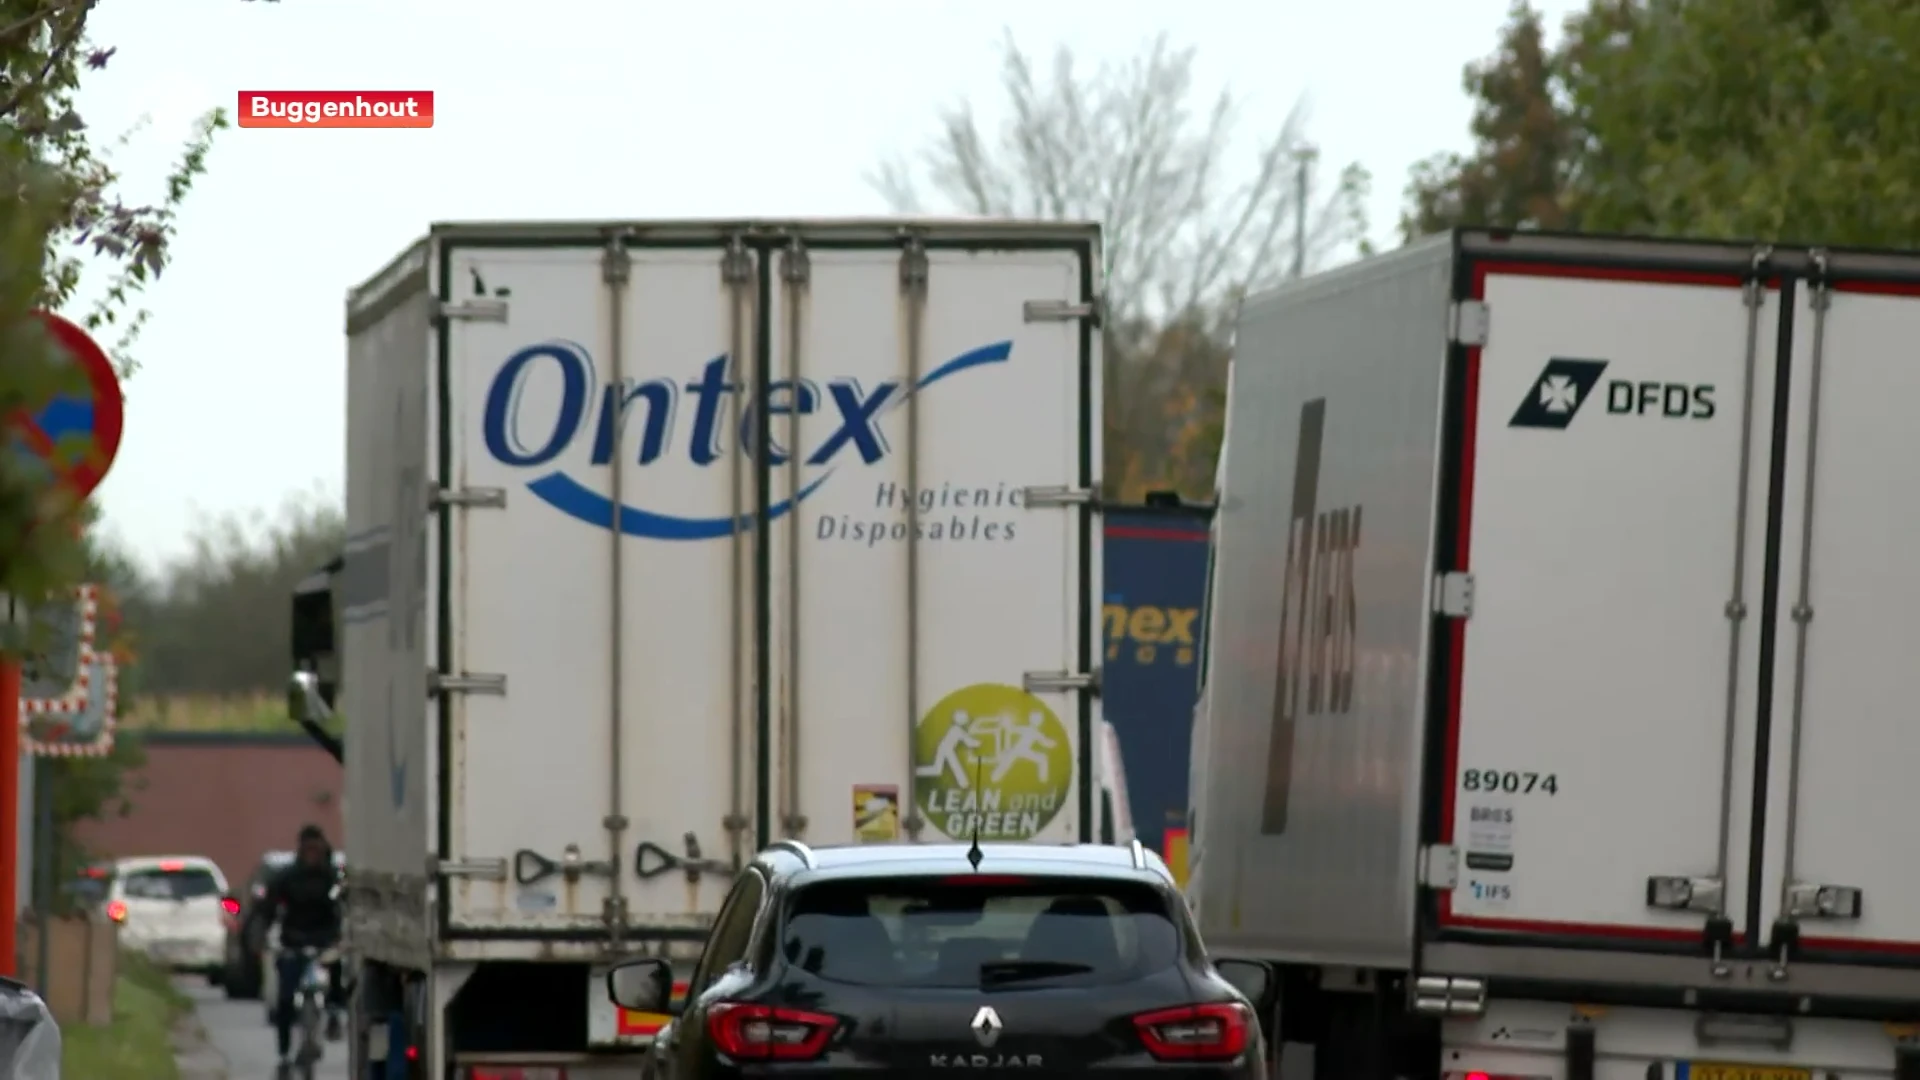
1561, 699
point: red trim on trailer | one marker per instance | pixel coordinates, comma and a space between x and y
1879, 288
1564, 929
1860, 945
1148, 532
1603, 273
1463, 548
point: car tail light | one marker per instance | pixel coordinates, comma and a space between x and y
516, 1072
1214, 1032
229, 905
764, 1033
1493, 1076
117, 910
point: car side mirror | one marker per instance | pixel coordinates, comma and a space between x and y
641, 985
1254, 978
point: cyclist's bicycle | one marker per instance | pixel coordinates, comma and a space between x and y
310, 1009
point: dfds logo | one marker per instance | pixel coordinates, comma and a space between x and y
546, 397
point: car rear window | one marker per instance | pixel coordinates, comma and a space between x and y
185, 884
975, 930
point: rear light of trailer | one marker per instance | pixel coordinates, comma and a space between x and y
1212, 1032
747, 1032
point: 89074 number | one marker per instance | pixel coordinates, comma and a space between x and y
1510, 782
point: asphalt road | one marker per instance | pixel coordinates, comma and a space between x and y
239, 1031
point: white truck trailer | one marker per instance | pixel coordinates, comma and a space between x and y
596, 648
1560, 699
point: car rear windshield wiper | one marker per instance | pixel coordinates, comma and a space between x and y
997, 972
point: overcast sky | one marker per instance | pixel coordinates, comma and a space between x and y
618, 109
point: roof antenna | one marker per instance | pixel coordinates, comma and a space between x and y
974, 854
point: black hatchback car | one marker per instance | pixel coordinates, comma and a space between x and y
918, 960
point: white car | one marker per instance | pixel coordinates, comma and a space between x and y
173, 908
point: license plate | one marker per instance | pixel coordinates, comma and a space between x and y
1714, 1070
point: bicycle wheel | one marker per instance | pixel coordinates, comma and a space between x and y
310, 1021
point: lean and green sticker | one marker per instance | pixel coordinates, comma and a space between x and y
991, 756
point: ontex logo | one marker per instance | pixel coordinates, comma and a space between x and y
547, 399
1555, 397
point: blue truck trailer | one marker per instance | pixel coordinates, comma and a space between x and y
1155, 587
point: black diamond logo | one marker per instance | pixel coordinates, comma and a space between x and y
1555, 397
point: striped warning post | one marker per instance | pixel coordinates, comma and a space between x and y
82, 697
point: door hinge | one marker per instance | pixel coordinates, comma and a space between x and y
1039, 498
442, 683
1093, 311
484, 309
1453, 594
736, 266
913, 265
795, 267
489, 869
1469, 322
1680, 893
616, 262
1060, 682
1446, 995
1810, 901
468, 498
1439, 866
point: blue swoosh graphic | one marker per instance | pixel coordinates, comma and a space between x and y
570, 497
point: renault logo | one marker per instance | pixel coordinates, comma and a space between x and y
986, 1026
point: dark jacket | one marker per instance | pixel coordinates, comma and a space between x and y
301, 898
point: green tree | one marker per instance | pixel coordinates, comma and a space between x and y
66, 214
1769, 119
1526, 145
1135, 147
1776, 119
216, 621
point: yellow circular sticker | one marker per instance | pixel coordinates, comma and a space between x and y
993, 758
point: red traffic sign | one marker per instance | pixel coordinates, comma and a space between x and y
92, 417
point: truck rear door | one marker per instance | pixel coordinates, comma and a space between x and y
601, 609
932, 431
650, 684
1612, 503
1842, 797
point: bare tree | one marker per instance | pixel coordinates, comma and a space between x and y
1129, 146
1133, 146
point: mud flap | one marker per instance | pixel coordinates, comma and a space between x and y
1580, 1052
1906, 1061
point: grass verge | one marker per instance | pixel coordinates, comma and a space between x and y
137, 1045
255, 712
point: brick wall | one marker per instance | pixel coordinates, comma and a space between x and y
228, 797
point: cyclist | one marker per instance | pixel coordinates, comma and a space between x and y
304, 900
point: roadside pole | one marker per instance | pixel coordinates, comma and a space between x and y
45, 863
9, 816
